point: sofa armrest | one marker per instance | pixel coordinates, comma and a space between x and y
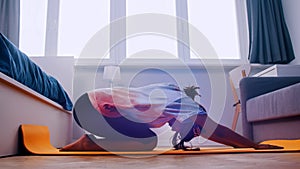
254, 86
251, 87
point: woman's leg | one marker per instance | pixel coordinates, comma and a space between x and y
84, 143
119, 134
131, 136
90, 143
221, 134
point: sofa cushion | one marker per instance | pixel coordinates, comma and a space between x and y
277, 104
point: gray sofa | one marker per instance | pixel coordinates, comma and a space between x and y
270, 107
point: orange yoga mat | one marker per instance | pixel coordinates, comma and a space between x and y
36, 140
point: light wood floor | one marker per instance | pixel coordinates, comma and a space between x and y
219, 161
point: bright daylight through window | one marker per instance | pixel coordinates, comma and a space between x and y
33, 17
79, 20
217, 21
161, 47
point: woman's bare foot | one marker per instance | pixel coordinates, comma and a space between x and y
84, 143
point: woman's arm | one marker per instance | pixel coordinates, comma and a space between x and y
221, 134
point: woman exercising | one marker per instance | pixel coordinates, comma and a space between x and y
120, 119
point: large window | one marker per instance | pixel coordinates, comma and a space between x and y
151, 46
79, 20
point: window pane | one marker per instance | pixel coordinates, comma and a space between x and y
216, 20
151, 46
78, 22
151, 6
33, 27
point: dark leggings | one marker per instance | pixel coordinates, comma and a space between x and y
113, 129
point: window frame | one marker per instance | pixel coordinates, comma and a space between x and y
183, 50
118, 49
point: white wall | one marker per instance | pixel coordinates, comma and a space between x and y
292, 15
60, 67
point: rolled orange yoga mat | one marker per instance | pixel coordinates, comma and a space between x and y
36, 140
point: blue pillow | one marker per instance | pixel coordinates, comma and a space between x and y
18, 66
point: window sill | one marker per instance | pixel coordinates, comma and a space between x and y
161, 63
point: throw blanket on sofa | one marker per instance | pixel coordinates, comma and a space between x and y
18, 66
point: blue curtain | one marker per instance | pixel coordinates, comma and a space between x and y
10, 19
270, 41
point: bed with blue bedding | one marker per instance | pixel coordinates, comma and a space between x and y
18, 66
28, 95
